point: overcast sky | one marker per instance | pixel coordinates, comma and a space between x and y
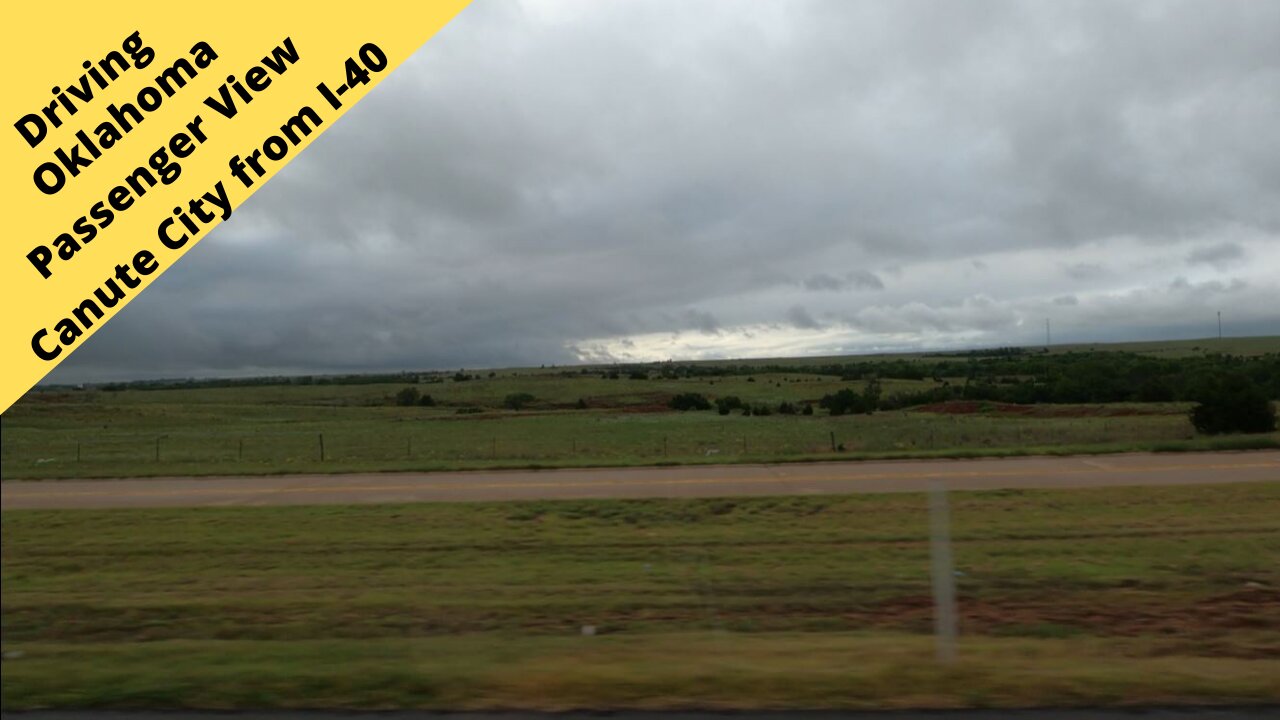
556, 182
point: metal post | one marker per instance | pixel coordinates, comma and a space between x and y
321, 447
943, 571
157, 448
240, 450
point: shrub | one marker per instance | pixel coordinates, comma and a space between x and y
517, 401
581, 404
808, 409
408, 396
427, 401
847, 401
843, 402
727, 404
689, 401
1233, 403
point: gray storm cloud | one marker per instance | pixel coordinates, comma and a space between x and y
548, 182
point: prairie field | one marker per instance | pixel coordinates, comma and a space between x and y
573, 419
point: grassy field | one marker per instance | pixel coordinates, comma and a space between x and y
1124, 595
577, 417
275, 429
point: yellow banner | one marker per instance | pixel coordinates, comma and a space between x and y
130, 133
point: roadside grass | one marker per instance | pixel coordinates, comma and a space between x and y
1091, 596
205, 468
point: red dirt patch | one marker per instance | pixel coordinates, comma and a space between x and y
1139, 615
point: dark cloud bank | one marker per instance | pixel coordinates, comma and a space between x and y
557, 182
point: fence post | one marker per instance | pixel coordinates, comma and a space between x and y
321, 447
943, 571
240, 451
158, 448
77, 451
833, 441
664, 446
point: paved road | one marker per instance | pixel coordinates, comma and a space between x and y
694, 481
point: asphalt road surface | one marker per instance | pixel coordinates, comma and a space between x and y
691, 481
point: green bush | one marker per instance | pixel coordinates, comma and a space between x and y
517, 401
1233, 403
727, 404
844, 402
689, 401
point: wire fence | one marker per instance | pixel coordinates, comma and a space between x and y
480, 441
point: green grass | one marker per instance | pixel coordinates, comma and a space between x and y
1067, 597
268, 429
277, 429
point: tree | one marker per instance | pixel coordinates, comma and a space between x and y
871, 395
844, 402
408, 396
1233, 403
427, 401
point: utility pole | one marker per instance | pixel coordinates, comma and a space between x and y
1219, 324
943, 572
1048, 338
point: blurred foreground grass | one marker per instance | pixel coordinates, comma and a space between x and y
1124, 595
